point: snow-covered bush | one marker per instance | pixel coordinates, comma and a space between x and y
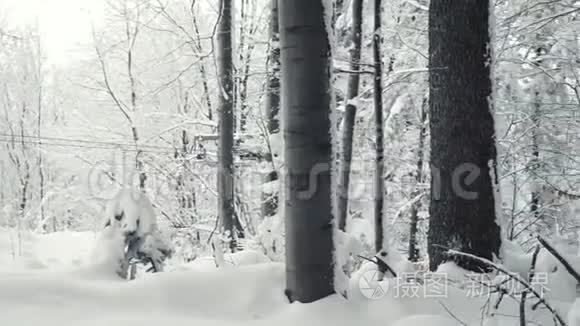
131, 212
131, 233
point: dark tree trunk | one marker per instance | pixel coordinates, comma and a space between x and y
463, 148
226, 123
535, 161
306, 101
270, 199
379, 136
273, 99
413, 246
349, 114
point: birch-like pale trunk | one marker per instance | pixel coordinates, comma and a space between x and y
305, 57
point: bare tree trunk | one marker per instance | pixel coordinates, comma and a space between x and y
273, 99
131, 34
245, 55
202, 70
535, 161
349, 114
39, 134
185, 190
463, 152
25, 181
270, 199
305, 53
244, 91
226, 123
413, 246
379, 136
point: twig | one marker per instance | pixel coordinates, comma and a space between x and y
381, 264
561, 259
451, 314
525, 292
513, 276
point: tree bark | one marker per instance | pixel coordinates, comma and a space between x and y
245, 57
379, 136
535, 161
226, 123
202, 69
270, 199
39, 134
463, 152
305, 54
413, 246
273, 99
349, 114
131, 39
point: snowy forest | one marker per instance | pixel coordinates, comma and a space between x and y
323, 162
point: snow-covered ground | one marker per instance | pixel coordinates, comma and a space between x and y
48, 280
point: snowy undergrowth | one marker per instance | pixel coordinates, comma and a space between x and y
241, 295
59, 250
64, 289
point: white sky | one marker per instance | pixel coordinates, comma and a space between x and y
65, 25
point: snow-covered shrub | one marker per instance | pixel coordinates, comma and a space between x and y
131, 212
131, 233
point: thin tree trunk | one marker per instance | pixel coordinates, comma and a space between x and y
349, 114
379, 136
535, 161
25, 181
131, 39
463, 152
246, 48
226, 123
202, 70
305, 53
413, 246
39, 134
270, 199
186, 191
244, 91
238, 91
24, 194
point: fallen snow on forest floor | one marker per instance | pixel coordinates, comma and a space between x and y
50, 283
